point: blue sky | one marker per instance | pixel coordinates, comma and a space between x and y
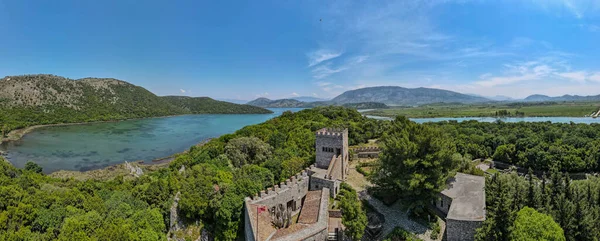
284, 48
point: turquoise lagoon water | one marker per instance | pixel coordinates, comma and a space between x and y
97, 145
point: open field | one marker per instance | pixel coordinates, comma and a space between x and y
567, 109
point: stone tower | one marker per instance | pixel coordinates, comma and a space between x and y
332, 142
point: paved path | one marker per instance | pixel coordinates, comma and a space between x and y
394, 215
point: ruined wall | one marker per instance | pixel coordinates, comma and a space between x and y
460, 230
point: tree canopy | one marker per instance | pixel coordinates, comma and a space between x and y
531, 225
414, 162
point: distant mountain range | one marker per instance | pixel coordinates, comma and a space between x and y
394, 95
399, 96
308, 99
291, 103
379, 96
538, 98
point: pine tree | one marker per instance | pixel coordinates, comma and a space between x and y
545, 201
568, 190
557, 190
531, 193
583, 220
564, 214
589, 195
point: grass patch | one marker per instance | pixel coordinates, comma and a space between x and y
399, 234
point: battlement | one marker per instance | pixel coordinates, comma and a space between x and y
297, 182
366, 149
332, 132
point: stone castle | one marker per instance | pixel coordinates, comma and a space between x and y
269, 215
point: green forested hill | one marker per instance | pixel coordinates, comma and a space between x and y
47, 99
202, 105
216, 179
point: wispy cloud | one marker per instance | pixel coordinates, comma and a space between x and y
265, 94
295, 94
182, 91
318, 56
323, 71
595, 77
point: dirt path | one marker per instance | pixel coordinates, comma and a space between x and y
395, 216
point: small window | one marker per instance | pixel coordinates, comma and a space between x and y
441, 203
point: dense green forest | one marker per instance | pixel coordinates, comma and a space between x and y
217, 177
416, 159
205, 105
47, 99
574, 207
539, 145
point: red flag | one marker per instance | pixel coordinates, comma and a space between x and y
261, 209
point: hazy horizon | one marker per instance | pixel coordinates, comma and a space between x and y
245, 50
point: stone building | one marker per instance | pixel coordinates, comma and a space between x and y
305, 195
463, 205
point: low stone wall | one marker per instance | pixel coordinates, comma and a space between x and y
335, 213
460, 230
366, 152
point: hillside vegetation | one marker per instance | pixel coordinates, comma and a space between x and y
205, 105
219, 174
517, 109
217, 177
292, 103
48, 99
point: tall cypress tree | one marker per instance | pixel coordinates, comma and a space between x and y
568, 190
531, 192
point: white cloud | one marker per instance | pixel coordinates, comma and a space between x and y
316, 57
577, 76
315, 94
485, 76
265, 94
595, 77
323, 71
295, 94
321, 83
182, 91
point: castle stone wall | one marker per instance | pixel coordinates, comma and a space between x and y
334, 140
317, 231
460, 230
293, 189
443, 203
318, 183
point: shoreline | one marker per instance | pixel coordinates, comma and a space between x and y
17, 134
496, 117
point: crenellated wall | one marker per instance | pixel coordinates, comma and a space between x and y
293, 189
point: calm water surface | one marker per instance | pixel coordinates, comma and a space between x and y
97, 145
584, 120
